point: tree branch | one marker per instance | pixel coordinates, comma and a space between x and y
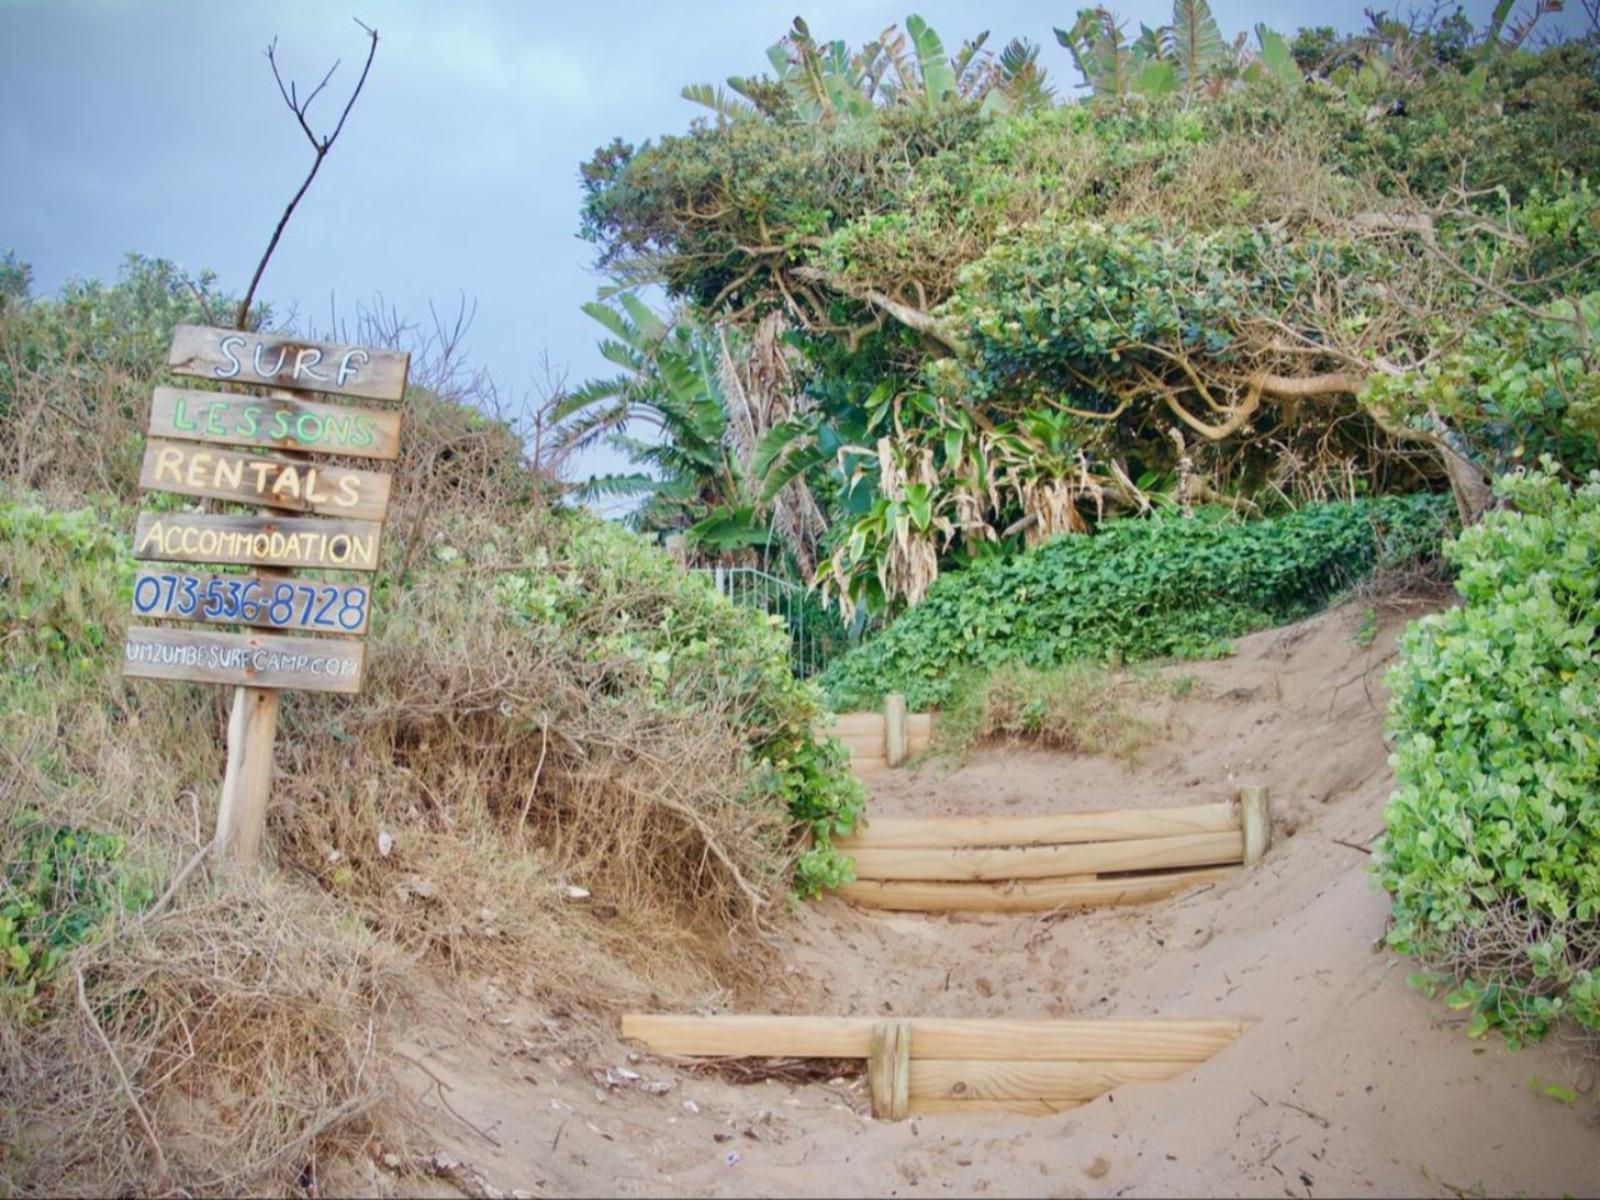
912, 318
320, 146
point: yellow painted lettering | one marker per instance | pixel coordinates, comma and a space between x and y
287, 483
199, 464
364, 550
169, 460
312, 495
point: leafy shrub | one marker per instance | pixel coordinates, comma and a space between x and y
1143, 589
47, 608
667, 634
1493, 846
57, 886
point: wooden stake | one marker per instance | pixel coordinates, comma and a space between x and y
247, 783
889, 1069
880, 1068
894, 729
1256, 820
252, 732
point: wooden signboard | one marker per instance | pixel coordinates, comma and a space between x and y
286, 483
187, 453
309, 605
271, 360
276, 422
254, 660
267, 541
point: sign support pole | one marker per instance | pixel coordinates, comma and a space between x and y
252, 734
247, 783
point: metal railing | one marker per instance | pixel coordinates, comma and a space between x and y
751, 587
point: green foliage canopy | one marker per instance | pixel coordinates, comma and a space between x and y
1211, 281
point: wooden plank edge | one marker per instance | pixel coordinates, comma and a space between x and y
994, 864
1030, 1079
1045, 829
1034, 895
939, 1106
1106, 1039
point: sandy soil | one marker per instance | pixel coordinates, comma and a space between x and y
1349, 1083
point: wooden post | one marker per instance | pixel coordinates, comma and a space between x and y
1256, 822
894, 729
889, 1070
247, 783
252, 734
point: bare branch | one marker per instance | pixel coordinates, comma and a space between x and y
320, 145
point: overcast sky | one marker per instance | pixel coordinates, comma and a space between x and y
154, 126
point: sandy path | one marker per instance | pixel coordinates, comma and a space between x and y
1350, 1083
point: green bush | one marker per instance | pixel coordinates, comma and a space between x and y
668, 634
51, 609
1166, 586
1493, 846
57, 886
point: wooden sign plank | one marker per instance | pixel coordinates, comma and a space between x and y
226, 418
314, 606
284, 483
272, 360
258, 541
255, 660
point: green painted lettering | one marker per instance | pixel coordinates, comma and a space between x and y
249, 421
213, 425
180, 416
337, 429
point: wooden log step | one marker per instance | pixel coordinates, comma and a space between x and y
1115, 1040
919, 731
862, 724
863, 745
1024, 895
1048, 830
930, 1105
1043, 862
967, 1079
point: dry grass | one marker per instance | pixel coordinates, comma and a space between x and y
1078, 708
250, 1023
